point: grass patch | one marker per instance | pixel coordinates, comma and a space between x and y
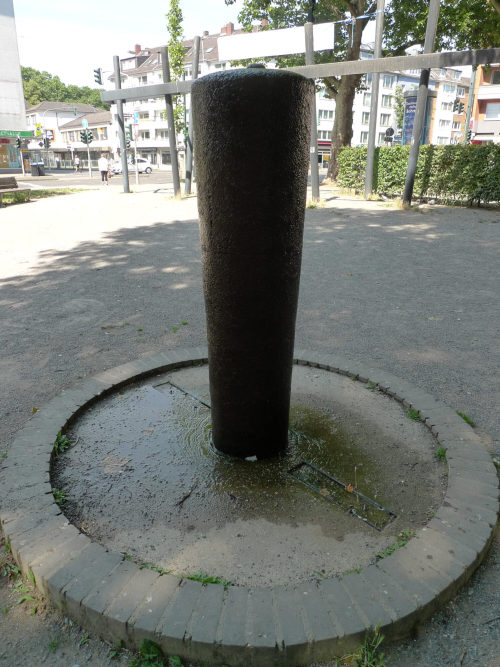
403, 538
19, 197
413, 414
441, 454
206, 579
465, 418
367, 655
59, 496
61, 444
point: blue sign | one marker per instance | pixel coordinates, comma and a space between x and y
409, 119
136, 117
85, 123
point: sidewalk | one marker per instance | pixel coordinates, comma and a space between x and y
91, 280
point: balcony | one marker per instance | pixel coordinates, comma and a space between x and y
489, 92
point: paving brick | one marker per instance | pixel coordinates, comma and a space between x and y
261, 619
144, 620
478, 491
394, 599
42, 538
118, 614
444, 543
468, 539
367, 600
24, 521
102, 596
463, 521
318, 622
403, 575
206, 617
174, 623
232, 626
290, 618
93, 573
344, 613
45, 565
477, 512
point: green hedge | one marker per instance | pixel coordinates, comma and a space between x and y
455, 173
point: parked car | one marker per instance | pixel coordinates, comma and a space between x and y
144, 166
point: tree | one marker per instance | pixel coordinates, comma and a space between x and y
462, 24
44, 87
399, 106
176, 53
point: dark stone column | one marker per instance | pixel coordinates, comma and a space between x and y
252, 130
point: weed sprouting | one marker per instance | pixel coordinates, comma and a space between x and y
441, 454
61, 444
59, 496
465, 418
367, 655
413, 414
403, 538
205, 579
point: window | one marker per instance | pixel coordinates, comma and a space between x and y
165, 158
442, 140
143, 115
456, 74
220, 65
142, 80
460, 91
385, 119
492, 111
447, 106
449, 87
495, 77
388, 81
71, 136
363, 138
381, 138
160, 115
144, 134
367, 99
367, 80
387, 101
365, 117
444, 123
456, 125
161, 134
325, 114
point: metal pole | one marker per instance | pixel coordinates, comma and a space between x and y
121, 125
308, 29
88, 158
135, 158
470, 103
171, 124
189, 143
430, 34
21, 154
372, 128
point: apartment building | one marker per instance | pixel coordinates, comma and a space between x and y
485, 117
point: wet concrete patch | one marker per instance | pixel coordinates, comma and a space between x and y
143, 479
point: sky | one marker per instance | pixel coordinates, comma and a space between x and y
70, 39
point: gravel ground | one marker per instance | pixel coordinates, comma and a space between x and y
95, 279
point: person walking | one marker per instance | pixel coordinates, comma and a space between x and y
77, 163
103, 166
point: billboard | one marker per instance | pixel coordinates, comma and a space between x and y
268, 43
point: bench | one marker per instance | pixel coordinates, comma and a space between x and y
8, 185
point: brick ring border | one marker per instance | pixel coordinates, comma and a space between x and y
112, 597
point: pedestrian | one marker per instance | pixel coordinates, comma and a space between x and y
103, 166
77, 163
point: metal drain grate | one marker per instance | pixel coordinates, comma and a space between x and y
343, 495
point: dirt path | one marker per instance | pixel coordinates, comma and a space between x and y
94, 279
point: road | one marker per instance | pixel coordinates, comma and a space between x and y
72, 179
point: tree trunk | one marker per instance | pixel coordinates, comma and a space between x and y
342, 125
346, 90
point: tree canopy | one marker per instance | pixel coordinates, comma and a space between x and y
463, 24
44, 87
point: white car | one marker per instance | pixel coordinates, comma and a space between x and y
144, 166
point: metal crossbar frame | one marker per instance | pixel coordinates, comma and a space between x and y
392, 64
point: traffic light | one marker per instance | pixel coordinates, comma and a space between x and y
461, 107
18, 143
98, 76
455, 104
132, 158
46, 143
468, 135
90, 136
83, 136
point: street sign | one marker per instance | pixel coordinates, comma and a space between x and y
85, 123
50, 135
136, 117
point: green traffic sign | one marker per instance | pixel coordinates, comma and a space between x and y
16, 133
